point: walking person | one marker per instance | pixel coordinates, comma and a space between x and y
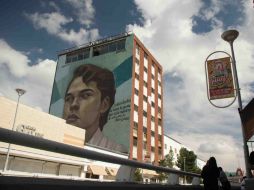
224, 180
210, 174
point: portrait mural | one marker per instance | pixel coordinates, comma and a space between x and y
94, 94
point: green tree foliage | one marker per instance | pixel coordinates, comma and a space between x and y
138, 175
166, 162
190, 162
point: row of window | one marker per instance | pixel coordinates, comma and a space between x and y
146, 57
80, 55
135, 124
145, 83
146, 70
97, 50
135, 143
110, 47
152, 117
145, 97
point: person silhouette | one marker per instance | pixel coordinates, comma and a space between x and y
224, 180
210, 174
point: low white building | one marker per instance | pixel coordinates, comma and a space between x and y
25, 161
175, 146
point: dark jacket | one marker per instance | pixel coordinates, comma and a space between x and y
210, 176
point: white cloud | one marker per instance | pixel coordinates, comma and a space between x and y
84, 10
14, 60
16, 73
56, 24
79, 37
223, 147
52, 22
167, 32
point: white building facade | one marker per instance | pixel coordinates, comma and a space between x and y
25, 161
175, 146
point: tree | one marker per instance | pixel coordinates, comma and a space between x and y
138, 175
166, 162
190, 160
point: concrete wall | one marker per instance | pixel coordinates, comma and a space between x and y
40, 124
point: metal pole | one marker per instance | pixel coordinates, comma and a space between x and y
245, 146
20, 93
184, 169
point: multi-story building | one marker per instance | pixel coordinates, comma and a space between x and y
135, 119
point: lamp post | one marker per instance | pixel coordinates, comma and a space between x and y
20, 93
184, 158
230, 36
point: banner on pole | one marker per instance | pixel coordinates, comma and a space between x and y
220, 78
247, 116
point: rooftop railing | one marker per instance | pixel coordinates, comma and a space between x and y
18, 138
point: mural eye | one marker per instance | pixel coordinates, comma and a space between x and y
85, 95
68, 98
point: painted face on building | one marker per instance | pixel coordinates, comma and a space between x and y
83, 105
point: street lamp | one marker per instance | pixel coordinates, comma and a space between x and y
184, 169
20, 93
230, 36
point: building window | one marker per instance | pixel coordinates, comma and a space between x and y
152, 76
135, 141
135, 107
159, 110
152, 118
144, 145
145, 55
159, 121
153, 104
136, 76
159, 96
100, 50
110, 47
145, 69
145, 98
145, 84
145, 113
135, 125
160, 150
159, 83
137, 61
137, 49
120, 45
74, 58
68, 59
78, 55
152, 149
136, 91
153, 90
153, 133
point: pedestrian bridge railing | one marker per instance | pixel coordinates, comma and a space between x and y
127, 166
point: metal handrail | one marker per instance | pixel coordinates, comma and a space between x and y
18, 138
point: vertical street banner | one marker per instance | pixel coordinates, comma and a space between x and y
247, 117
220, 78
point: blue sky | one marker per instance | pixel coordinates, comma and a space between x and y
180, 34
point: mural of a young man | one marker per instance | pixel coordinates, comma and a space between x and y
88, 99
